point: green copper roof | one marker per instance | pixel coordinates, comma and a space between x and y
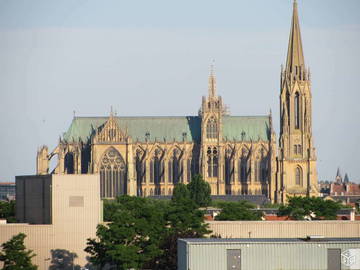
177, 128
246, 128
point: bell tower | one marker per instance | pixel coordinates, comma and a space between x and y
297, 158
211, 113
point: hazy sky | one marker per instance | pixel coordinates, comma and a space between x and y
152, 58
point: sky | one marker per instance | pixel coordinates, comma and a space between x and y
60, 58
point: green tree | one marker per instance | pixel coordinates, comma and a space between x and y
142, 233
180, 194
133, 236
242, 210
184, 220
7, 211
300, 208
200, 191
15, 256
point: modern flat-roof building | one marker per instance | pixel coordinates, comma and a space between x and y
269, 253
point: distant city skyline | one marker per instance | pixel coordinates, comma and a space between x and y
57, 57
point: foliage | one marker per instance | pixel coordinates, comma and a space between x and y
200, 191
143, 233
133, 236
15, 256
300, 208
181, 194
7, 211
272, 205
242, 210
184, 220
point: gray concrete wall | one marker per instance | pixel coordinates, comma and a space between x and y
33, 199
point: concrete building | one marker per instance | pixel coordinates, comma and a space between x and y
236, 155
270, 254
59, 212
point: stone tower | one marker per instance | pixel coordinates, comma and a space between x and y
211, 137
297, 160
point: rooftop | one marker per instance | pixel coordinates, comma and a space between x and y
264, 240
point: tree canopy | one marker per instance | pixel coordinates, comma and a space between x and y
314, 208
132, 236
200, 191
242, 210
143, 233
7, 211
15, 255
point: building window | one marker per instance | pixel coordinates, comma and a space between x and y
69, 163
229, 170
212, 162
264, 169
156, 168
140, 167
112, 174
152, 171
297, 149
176, 167
297, 110
243, 167
211, 128
298, 176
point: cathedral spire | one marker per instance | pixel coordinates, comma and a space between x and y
212, 82
295, 56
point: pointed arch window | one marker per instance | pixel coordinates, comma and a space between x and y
176, 167
298, 176
211, 128
297, 110
140, 167
112, 174
69, 163
243, 167
170, 171
229, 168
156, 168
212, 162
264, 169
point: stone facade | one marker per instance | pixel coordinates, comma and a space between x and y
147, 156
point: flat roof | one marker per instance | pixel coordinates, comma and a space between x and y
265, 240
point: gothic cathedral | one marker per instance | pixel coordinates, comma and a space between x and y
236, 155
